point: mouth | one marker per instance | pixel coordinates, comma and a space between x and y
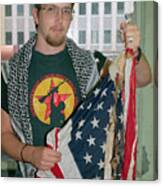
57, 29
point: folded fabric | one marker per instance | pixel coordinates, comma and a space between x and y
83, 140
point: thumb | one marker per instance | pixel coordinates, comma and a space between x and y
123, 26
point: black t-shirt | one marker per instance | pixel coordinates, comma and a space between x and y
53, 92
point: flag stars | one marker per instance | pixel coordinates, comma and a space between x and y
95, 122
81, 107
78, 135
91, 141
106, 129
110, 110
89, 106
100, 164
100, 106
87, 158
96, 92
103, 147
81, 124
104, 92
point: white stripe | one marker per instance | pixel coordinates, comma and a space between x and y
67, 164
128, 67
45, 174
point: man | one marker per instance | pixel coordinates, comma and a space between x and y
48, 78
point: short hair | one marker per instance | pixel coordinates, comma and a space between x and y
38, 6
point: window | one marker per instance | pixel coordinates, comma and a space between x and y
8, 38
120, 7
119, 37
31, 34
94, 36
107, 7
20, 38
107, 36
82, 37
30, 9
82, 8
95, 8
20, 10
8, 10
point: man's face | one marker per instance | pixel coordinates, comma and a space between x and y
53, 22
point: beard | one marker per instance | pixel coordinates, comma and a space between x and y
55, 41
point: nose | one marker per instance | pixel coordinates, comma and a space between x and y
59, 15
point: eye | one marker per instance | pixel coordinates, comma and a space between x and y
50, 9
67, 11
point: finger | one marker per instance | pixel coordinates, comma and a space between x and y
123, 26
53, 153
48, 164
52, 159
45, 167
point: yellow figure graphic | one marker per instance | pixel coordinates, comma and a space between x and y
53, 99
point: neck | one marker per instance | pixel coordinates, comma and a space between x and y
43, 47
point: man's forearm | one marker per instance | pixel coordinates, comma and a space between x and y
42, 158
13, 147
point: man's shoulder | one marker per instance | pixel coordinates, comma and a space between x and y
71, 43
24, 51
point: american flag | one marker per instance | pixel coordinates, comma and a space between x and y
82, 140
130, 149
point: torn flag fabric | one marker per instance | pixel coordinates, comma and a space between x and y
82, 141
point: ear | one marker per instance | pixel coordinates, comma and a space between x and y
35, 15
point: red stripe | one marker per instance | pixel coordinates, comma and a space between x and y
49, 146
130, 125
57, 171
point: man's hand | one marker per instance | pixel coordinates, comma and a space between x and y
42, 158
130, 35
